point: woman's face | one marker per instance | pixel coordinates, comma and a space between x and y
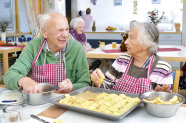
80, 27
132, 43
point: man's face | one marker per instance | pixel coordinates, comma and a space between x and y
57, 33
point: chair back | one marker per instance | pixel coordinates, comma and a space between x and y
176, 79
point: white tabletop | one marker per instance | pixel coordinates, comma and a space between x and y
139, 115
27, 110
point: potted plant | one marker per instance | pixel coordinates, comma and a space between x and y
3, 27
154, 16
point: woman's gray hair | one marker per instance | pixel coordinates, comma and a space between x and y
43, 20
74, 22
148, 35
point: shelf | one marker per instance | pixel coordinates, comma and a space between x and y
17, 34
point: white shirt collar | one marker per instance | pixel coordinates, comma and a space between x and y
48, 49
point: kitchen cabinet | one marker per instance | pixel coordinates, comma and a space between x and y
170, 39
165, 38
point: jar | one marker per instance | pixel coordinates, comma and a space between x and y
102, 45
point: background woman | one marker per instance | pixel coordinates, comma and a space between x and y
77, 31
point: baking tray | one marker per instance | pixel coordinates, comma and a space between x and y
94, 113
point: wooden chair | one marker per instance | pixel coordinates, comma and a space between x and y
176, 81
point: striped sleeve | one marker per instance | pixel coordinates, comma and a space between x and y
162, 74
120, 64
115, 71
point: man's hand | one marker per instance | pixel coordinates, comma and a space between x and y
65, 86
29, 85
165, 88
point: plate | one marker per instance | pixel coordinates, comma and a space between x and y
9, 96
94, 113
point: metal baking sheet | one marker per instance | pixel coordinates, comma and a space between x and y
94, 113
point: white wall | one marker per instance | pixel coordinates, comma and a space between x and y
77, 5
105, 13
184, 23
60, 6
74, 8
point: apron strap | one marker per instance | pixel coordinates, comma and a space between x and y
40, 49
128, 65
149, 67
39, 52
61, 56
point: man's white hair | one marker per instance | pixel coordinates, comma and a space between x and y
74, 22
43, 20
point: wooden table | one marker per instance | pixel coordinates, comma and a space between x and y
176, 56
5, 51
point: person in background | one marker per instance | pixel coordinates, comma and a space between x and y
77, 24
88, 20
77, 31
140, 69
79, 14
54, 58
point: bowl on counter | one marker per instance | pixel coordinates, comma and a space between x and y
40, 98
161, 110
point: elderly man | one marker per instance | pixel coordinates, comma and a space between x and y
54, 58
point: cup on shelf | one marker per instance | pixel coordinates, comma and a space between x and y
114, 45
177, 27
101, 45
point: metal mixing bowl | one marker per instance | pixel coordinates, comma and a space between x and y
161, 110
40, 98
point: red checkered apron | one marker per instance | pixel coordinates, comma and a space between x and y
48, 73
133, 85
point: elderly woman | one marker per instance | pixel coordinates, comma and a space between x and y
77, 32
140, 69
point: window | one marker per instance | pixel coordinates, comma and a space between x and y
7, 12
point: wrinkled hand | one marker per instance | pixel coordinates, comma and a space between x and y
96, 76
165, 88
29, 85
65, 86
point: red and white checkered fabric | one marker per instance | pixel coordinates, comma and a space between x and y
48, 73
133, 85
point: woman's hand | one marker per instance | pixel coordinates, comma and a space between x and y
165, 88
96, 76
65, 86
29, 85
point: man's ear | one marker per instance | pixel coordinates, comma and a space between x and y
44, 33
